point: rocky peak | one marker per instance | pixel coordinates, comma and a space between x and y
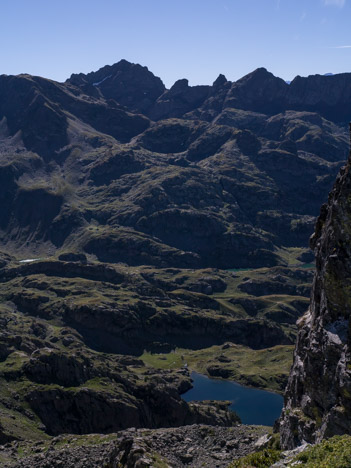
259, 91
260, 74
219, 81
318, 395
130, 84
179, 85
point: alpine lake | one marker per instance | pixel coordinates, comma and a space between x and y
254, 406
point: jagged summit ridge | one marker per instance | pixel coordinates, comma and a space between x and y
135, 87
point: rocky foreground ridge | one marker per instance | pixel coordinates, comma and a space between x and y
318, 396
197, 445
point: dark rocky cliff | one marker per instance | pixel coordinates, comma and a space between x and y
318, 395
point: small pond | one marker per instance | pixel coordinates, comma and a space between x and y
308, 265
252, 405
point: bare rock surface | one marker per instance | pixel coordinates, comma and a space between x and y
195, 446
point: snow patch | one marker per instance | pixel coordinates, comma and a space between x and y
99, 82
28, 260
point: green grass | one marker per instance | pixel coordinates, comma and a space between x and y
47, 297
15, 423
159, 461
263, 459
13, 363
331, 453
266, 368
290, 254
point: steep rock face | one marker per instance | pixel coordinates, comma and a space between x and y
318, 395
259, 91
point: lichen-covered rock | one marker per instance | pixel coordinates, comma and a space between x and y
318, 395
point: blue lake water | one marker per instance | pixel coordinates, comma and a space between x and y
252, 405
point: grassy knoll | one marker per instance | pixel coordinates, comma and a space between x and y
265, 368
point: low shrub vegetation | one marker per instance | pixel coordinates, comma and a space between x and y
331, 453
262, 459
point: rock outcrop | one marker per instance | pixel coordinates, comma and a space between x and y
318, 395
129, 84
196, 445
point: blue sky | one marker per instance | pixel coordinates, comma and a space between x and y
194, 39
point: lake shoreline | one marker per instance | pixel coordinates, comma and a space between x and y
254, 406
213, 377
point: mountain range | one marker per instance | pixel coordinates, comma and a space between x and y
143, 226
205, 176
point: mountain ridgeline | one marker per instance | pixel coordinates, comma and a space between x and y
113, 164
